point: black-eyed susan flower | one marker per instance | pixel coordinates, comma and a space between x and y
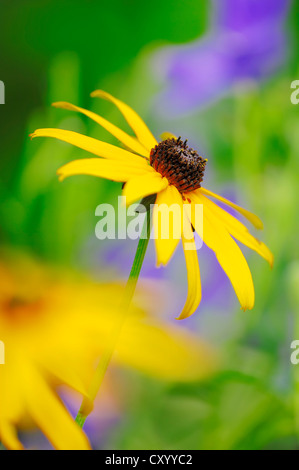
53, 334
173, 171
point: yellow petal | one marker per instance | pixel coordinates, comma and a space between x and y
165, 351
254, 219
144, 185
51, 416
97, 147
228, 254
193, 276
99, 167
122, 136
66, 375
141, 130
9, 436
168, 135
167, 221
239, 231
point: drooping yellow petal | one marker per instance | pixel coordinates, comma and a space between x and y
114, 171
167, 221
97, 147
141, 130
9, 436
51, 416
144, 185
254, 219
122, 136
228, 254
239, 231
167, 135
193, 276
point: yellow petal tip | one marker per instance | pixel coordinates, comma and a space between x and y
58, 104
179, 318
60, 175
246, 307
159, 263
95, 93
271, 261
260, 225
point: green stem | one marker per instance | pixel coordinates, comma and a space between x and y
87, 403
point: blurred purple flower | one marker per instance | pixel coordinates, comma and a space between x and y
243, 14
246, 42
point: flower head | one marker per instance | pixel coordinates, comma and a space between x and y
53, 332
181, 165
174, 172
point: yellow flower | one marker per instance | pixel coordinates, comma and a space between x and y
53, 334
174, 172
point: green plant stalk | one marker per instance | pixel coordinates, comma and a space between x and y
87, 403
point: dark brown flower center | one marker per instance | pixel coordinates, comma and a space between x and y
180, 164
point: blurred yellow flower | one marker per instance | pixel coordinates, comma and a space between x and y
54, 328
174, 172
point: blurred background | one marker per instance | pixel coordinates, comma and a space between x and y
218, 73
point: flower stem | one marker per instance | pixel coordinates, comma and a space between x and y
87, 403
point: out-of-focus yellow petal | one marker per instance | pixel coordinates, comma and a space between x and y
165, 351
141, 130
66, 376
228, 254
193, 276
144, 185
97, 147
51, 416
9, 437
239, 231
64, 312
122, 136
167, 135
254, 219
114, 171
167, 221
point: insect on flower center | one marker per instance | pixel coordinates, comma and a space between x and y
180, 164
